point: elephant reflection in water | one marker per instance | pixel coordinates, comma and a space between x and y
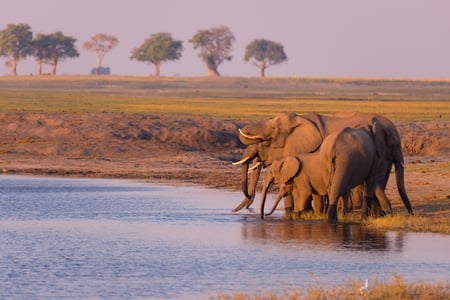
290, 134
321, 235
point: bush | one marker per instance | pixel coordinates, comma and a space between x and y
101, 71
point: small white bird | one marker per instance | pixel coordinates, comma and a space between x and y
365, 288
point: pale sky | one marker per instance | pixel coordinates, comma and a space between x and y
322, 38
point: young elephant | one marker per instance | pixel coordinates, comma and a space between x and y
346, 159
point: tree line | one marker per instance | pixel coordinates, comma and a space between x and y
214, 46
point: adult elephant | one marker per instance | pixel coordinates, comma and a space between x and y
291, 134
346, 159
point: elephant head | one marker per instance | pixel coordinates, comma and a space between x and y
285, 134
281, 172
278, 131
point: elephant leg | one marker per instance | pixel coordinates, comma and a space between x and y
318, 204
288, 205
382, 198
372, 204
375, 207
356, 197
332, 213
308, 204
340, 204
332, 207
366, 208
344, 204
370, 207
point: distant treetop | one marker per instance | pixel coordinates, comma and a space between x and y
215, 46
264, 53
100, 44
158, 48
15, 44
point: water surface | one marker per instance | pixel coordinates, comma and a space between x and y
119, 239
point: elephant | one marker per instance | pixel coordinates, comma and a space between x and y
291, 134
346, 159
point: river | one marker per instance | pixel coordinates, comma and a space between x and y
123, 239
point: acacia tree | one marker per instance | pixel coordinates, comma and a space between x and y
15, 44
264, 53
42, 46
158, 48
215, 46
60, 48
100, 44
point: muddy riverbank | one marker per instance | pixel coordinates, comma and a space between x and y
175, 150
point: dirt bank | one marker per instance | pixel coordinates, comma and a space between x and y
176, 150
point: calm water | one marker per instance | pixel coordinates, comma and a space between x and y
116, 239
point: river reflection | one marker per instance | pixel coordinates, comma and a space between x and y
321, 235
116, 239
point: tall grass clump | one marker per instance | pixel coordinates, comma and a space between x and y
440, 224
396, 289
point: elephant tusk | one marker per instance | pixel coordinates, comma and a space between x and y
242, 161
250, 137
252, 168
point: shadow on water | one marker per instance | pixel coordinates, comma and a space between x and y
320, 235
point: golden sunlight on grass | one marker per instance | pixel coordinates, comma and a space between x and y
227, 97
433, 223
396, 289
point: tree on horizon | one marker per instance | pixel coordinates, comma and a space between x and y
61, 48
41, 45
264, 53
158, 48
15, 44
100, 44
215, 46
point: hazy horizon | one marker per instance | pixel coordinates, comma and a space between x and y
349, 38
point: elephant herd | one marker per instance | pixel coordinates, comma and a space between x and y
317, 159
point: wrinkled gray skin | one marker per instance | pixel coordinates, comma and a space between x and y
346, 159
292, 134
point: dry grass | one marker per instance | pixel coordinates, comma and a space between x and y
231, 97
435, 223
396, 289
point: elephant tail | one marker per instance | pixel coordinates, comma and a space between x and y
331, 172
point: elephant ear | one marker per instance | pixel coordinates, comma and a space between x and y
386, 140
379, 138
289, 168
304, 138
281, 127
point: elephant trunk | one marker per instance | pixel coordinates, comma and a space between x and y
249, 187
248, 197
245, 179
267, 185
243, 204
280, 196
400, 179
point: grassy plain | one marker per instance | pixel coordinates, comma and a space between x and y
227, 97
252, 99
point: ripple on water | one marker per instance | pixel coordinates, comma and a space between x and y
84, 238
